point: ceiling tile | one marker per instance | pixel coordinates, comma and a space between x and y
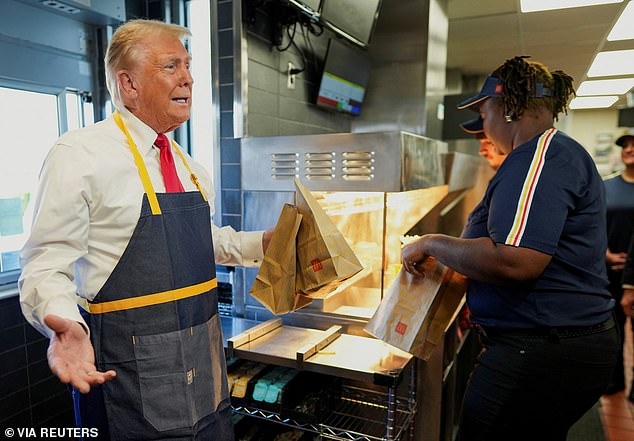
482, 34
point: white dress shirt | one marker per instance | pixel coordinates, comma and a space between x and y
88, 204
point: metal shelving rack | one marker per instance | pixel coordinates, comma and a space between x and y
374, 413
364, 415
360, 415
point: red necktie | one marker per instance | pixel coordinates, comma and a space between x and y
170, 178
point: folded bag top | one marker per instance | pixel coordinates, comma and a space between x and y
323, 254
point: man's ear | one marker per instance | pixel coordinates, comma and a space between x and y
127, 85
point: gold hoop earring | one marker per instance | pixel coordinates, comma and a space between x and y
508, 118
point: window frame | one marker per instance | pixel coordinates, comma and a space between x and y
10, 278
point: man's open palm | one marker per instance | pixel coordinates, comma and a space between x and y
71, 355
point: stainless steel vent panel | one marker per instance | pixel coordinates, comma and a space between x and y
384, 161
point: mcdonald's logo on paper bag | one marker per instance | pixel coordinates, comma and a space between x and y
436, 298
316, 263
401, 328
324, 257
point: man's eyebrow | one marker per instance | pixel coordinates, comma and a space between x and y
175, 58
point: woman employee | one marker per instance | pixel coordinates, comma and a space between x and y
534, 254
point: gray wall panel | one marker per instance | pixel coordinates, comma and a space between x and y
263, 125
44, 68
44, 48
262, 52
262, 77
292, 109
263, 102
299, 128
295, 112
38, 26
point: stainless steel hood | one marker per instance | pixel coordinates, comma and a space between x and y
407, 80
385, 161
97, 12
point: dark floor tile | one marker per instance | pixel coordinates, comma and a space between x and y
39, 371
10, 313
46, 389
36, 351
65, 418
32, 334
14, 403
20, 419
42, 411
13, 382
12, 338
12, 360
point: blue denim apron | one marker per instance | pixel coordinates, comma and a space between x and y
155, 322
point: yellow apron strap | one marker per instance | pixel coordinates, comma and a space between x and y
152, 299
140, 165
192, 176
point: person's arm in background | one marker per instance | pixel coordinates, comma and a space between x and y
627, 301
615, 261
47, 288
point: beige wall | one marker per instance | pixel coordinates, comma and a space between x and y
596, 130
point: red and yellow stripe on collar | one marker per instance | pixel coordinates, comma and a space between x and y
528, 189
153, 299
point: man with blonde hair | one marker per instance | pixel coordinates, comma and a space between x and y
123, 221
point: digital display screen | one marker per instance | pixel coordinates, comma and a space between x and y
340, 94
344, 79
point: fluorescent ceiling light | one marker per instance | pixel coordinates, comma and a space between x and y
548, 5
610, 63
618, 86
623, 29
592, 102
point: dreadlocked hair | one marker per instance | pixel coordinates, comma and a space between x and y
519, 84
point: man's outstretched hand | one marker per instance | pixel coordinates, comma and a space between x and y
71, 356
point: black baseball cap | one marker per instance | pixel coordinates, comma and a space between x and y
473, 126
620, 141
493, 87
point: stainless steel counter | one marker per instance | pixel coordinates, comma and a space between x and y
327, 352
232, 326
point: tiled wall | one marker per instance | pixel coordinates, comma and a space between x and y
272, 109
30, 395
229, 147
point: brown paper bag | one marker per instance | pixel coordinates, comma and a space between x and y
274, 285
451, 297
323, 254
415, 311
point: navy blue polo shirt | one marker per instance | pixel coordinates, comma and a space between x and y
547, 196
620, 205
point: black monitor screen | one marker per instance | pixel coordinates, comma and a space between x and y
352, 18
345, 78
306, 5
